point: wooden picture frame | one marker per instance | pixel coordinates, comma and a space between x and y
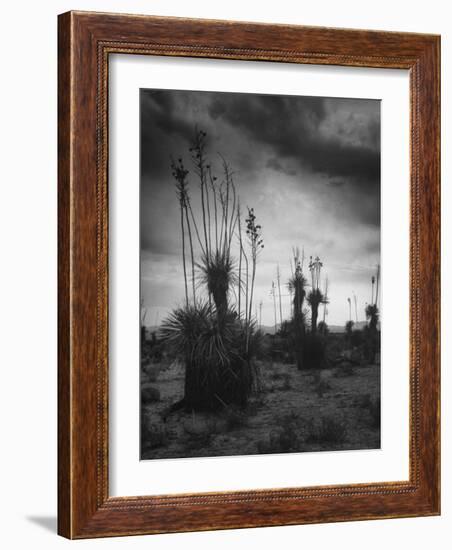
85, 42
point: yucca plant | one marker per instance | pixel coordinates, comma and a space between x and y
216, 343
322, 328
349, 330
372, 315
316, 296
297, 288
218, 276
218, 370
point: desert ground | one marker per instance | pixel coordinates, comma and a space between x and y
291, 410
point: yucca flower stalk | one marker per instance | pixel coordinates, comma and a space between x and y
278, 278
200, 165
240, 259
180, 175
256, 243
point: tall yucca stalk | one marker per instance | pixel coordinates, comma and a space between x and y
201, 169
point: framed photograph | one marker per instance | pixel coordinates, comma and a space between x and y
249, 259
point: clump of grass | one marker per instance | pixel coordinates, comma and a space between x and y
327, 429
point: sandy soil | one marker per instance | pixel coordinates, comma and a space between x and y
293, 411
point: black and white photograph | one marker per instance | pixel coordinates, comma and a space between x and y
260, 274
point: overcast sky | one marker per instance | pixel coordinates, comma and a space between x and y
309, 166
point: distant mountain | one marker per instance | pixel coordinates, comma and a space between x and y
332, 328
270, 329
151, 329
341, 328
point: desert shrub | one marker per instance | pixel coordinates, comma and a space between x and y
321, 387
322, 328
327, 429
153, 435
285, 438
375, 413
149, 393
284, 377
198, 441
371, 335
344, 370
258, 344
200, 432
234, 417
254, 405
314, 351
149, 372
364, 401
356, 338
287, 383
349, 330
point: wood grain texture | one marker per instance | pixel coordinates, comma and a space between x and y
85, 42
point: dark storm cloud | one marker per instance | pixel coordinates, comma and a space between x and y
159, 122
274, 164
336, 182
336, 138
294, 128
